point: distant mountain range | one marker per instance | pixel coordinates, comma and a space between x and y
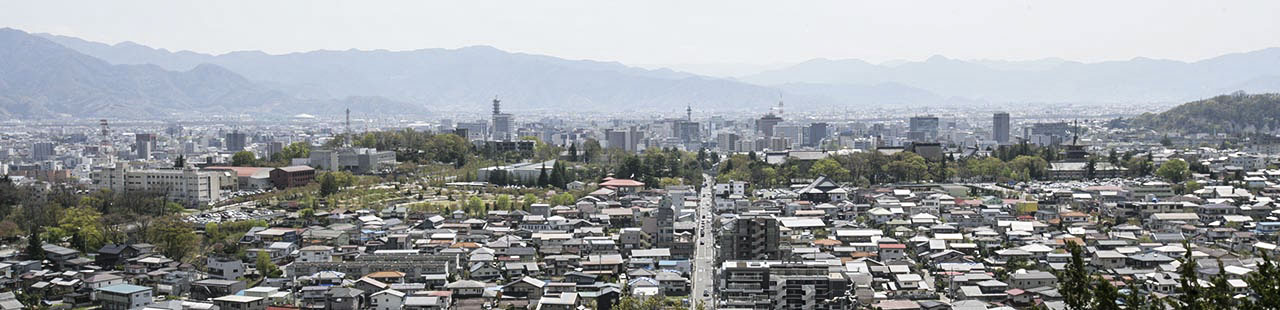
42, 79
1235, 113
1049, 80
43, 75
466, 78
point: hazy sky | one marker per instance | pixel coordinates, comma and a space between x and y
680, 32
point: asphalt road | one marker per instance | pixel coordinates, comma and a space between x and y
704, 253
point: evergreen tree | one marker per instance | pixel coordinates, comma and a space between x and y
558, 177
1104, 295
542, 175
1136, 300
1265, 284
573, 151
1220, 293
328, 185
1193, 296
35, 246
1074, 283
1091, 168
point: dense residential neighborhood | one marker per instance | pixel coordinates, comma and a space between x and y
816, 155
362, 230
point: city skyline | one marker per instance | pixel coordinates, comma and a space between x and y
879, 32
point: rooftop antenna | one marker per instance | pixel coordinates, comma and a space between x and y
1075, 132
688, 112
779, 103
347, 139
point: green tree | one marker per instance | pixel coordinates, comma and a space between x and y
296, 150
542, 176
829, 167
1265, 284
1135, 299
528, 200
244, 159
84, 225
1030, 167
1192, 186
1175, 170
1091, 168
1074, 283
266, 268
475, 205
563, 199
908, 167
1139, 166
328, 185
35, 245
1105, 296
1193, 296
503, 202
172, 237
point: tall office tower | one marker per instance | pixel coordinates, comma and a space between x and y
235, 141
627, 139
1000, 127
42, 151
765, 124
750, 237
143, 144
688, 131
923, 129
274, 148
501, 122
815, 133
727, 142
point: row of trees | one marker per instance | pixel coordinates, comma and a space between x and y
280, 159
414, 146
1081, 290
857, 168
655, 164
85, 221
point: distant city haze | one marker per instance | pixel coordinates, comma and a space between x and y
725, 38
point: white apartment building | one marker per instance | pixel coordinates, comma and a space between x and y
187, 186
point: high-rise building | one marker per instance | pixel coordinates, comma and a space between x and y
923, 129
501, 122
1047, 133
765, 124
727, 142
750, 237
782, 285
687, 131
815, 133
236, 141
1000, 127
42, 151
275, 147
143, 144
628, 139
474, 130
